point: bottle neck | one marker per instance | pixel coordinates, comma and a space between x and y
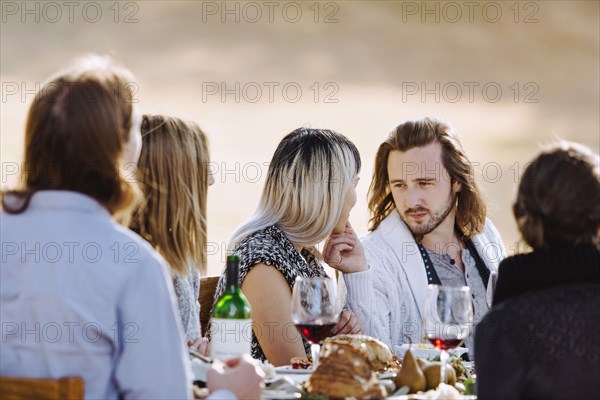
232, 277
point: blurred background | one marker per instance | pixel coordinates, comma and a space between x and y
509, 76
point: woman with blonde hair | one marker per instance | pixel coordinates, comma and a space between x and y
172, 217
82, 295
174, 176
308, 195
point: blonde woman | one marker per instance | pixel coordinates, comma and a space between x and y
308, 194
173, 174
174, 177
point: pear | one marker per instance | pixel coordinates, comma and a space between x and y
422, 363
411, 375
432, 372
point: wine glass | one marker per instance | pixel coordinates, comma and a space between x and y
491, 288
315, 311
448, 319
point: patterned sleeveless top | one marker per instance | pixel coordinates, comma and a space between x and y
270, 246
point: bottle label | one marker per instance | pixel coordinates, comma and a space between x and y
230, 338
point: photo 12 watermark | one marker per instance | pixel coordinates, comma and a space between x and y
68, 332
452, 12
14, 172
52, 12
271, 92
70, 252
24, 92
454, 92
256, 171
251, 12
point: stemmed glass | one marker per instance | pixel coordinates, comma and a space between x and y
448, 319
491, 288
315, 311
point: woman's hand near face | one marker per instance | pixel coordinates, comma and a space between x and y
344, 251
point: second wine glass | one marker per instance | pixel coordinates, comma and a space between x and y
491, 288
448, 319
315, 310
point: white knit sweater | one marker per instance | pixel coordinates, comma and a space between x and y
389, 297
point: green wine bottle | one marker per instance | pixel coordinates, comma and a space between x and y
231, 329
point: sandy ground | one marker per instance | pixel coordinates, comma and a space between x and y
362, 68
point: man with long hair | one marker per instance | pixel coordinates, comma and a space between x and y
428, 226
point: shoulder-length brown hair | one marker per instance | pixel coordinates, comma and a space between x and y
471, 210
77, 127
173, 174
558, 200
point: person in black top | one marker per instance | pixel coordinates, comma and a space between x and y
540, 339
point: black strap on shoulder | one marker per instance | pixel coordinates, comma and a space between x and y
483, 270
432, 276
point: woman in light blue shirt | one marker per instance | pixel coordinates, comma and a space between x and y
79, 294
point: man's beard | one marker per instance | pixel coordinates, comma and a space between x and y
423, 229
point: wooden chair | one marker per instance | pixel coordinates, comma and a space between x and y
208, 286
14, 388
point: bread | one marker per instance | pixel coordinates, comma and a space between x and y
344, 371
377, 352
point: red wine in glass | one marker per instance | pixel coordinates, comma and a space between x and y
315, 333
315, 310
445, 343
448, 319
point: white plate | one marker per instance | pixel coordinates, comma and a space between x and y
426, 351
288, 369
278, 394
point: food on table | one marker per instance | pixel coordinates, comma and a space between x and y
412, 371
379, 354
411, 375
300, 363
432, 372
462, 373
445, 392
345, 371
